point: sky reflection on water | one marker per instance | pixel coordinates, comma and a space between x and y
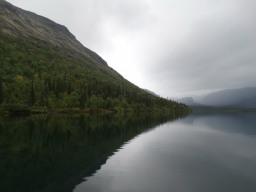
199, 153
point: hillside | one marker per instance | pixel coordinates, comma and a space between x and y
44, 68
235, 99
151, 92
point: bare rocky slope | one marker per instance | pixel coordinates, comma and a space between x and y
17, 22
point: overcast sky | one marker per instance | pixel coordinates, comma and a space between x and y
175, 48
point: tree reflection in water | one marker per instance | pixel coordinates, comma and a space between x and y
54, 153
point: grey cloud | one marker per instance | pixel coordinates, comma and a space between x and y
128, 14
218, 53
176, 47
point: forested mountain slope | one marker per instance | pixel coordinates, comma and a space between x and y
44, 68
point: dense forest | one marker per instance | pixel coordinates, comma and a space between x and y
35, 77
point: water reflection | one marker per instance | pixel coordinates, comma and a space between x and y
243, 122
55, 153
200, 153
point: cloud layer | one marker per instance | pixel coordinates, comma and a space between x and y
174, 48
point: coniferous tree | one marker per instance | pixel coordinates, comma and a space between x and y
32, 94
1, 91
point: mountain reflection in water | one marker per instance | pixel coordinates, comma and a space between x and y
200, 153
54, 153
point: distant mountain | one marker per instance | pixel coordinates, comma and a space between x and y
151, 92
43, 67
243, 98
188, 101
240, 98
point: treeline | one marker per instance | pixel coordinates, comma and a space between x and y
35, 77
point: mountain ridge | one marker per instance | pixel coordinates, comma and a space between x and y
231, 97
45, 68
240, 98
48, 31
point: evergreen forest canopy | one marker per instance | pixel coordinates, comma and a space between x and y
36, 76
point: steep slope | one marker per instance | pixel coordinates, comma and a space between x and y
44, 68
17, 22
151, 92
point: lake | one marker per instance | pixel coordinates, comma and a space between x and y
128, 153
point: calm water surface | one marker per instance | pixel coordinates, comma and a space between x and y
199, 153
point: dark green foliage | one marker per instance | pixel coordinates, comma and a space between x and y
35, 74
2, 96
32, 95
